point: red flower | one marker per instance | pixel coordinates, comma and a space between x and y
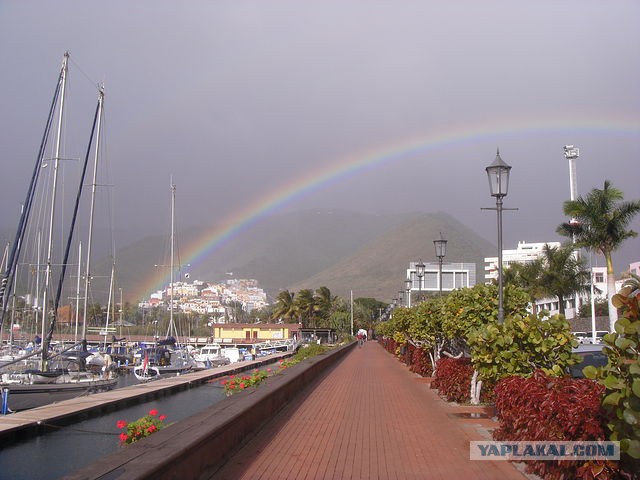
153, 412
223, 383
151, 429
268, 369
162, 417
242, 385
124, 437
121, 424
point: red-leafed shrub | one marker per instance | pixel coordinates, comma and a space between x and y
420, 362
453, 380
389, 344
544, 408
416, 358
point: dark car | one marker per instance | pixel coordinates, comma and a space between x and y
590, 355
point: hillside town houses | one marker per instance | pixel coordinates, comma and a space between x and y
211, 299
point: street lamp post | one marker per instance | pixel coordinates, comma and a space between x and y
498, 174
407, 284
400, 299
420, 273
441, 251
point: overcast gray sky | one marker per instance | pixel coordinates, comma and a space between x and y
240, 99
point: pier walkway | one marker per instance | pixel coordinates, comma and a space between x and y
367, 418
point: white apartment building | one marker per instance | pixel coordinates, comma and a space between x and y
525, 253
528, 252
454, 275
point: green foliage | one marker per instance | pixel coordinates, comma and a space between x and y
468, 309
285, 307
520, 346
308, 351
602, 309
621, 375
426, 324
600, 219
564, 274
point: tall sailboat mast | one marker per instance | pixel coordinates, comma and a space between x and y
172, 327
87, 276
56, 164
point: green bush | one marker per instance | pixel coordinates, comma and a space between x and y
621, 375
522, 345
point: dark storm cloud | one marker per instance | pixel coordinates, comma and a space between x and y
238, 98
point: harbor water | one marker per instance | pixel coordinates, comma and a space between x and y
61, 452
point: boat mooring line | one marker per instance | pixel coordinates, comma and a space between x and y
80, 430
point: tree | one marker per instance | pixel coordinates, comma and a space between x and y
527, 277
324, 304
285, 307
305, 307
599, 222
564, 274
367, 311
237, 311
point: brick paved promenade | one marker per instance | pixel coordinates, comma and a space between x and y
368, 418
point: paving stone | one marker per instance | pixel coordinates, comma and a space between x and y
367, 418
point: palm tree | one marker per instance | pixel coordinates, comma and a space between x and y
324, 304
305, 305
528, 277
599, 222
564, 274
285, 307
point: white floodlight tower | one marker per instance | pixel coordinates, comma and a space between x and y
572, 153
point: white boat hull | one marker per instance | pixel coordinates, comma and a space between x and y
145, 374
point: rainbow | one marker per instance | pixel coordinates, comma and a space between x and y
347, 166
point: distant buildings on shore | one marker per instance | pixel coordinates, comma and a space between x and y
211, 299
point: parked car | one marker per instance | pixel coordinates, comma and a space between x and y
582, 337
590, 355
600, 334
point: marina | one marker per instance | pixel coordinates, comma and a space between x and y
73, 433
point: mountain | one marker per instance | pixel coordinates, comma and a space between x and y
378, 268
342, 250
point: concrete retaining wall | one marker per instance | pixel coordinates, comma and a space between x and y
197, 446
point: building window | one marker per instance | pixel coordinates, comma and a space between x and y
599, 277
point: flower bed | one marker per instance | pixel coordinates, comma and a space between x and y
238, 383
141, 428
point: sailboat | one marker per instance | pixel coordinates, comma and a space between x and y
146, 372
54, 379
167, 355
